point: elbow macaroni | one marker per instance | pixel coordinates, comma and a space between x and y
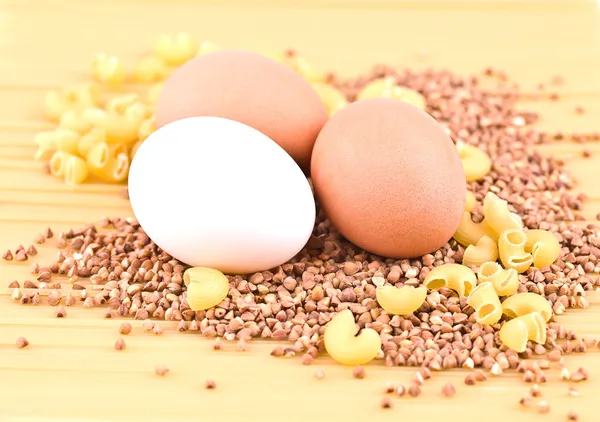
457, 277
387, 87
332, 97
108, 162
485, 301
515, 333
76, 170
511, 247
476, 163
347, 348
526, 303
543, 246
505, 282
468, 232
206, 287
497, 215
400, 301
470, 202
485, 250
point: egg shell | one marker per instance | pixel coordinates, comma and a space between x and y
251, 89
389, 178
216, 193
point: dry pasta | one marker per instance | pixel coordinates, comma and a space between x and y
206, 287
544, 247
515, 333
400, 301
58, 163
108, 69
119, 129
151, 69
526, 303
387, 87
77, 97
476, 163
470, 202
108, 162
468, 232
176, 50
497, 215
485, 250
332, 97
511, 248
56, 140
93, 137
347, 348
76, 170
457, 277
505, 282
484, 300
73, 120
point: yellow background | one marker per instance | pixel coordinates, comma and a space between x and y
71, 372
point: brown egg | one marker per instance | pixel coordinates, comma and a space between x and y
251, 89
389, 178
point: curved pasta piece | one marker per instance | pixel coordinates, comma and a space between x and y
485, 301
476, 163
470, 202
387, 87
109, 162
58, 163
511, 248
526, 303
515, 333
505, 282
332, 97
347, 348
543, 246
457, 277
468, 232
497, 215
400, 301
485, 250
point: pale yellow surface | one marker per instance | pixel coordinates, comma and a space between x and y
71, 372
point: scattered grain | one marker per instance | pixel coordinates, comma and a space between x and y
496, 369
526, 400
400, 390
125, 328
7, 255
528, 376
307, 359
543, 407
535, 390
120, 344
414, 390
60, 312
157, 329
573, 392
21, 255
31, 250
161, 370
319, 375
21, 343
358, 372
242, 345
389, 387
448, 390
278, 351
470, 379
386, 403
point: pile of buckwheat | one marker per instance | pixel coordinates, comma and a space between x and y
113, 263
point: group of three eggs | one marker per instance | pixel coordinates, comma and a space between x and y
222, 182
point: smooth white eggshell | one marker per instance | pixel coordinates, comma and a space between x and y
216, 193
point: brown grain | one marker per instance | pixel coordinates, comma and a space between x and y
21, 343
120, 344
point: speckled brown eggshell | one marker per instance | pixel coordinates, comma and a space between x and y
251, 89
389, 178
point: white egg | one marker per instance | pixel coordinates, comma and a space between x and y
216, 193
